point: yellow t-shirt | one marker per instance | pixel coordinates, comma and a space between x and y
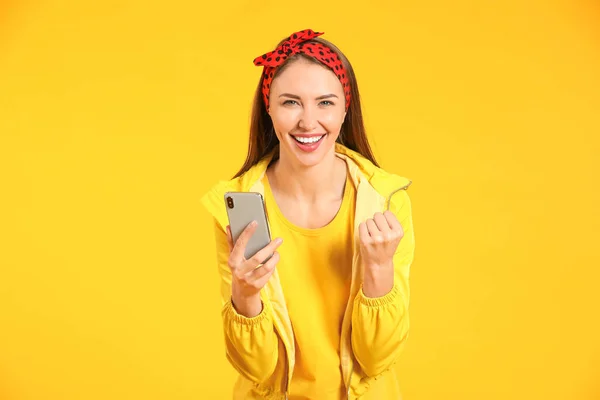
315, 272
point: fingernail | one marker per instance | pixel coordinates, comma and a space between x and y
279, 240
254, 223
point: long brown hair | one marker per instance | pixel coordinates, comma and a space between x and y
262, 134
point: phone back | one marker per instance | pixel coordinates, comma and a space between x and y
243, 208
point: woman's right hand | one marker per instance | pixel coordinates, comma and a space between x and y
246, 279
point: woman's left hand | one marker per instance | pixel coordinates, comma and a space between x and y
379, 239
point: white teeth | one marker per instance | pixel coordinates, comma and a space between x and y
308, 140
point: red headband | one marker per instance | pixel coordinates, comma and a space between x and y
295, 44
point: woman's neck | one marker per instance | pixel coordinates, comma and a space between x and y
324, 181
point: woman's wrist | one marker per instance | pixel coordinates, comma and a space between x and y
249, 307
378, 282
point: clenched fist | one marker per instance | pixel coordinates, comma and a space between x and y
379, 239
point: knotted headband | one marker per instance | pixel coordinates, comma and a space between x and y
297, 43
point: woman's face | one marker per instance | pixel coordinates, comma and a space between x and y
307, 107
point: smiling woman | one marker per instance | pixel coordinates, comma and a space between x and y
326, 316
334, 79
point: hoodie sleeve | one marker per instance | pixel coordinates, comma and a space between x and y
380, 325
251, 343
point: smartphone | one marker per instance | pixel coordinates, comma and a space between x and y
243, 208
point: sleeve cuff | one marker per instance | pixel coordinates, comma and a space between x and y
229, 310
388, 298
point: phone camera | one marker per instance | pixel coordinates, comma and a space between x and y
229, 202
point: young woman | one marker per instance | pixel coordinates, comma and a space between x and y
327, 316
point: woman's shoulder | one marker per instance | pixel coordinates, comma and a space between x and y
213, 200
392, 186
383, 181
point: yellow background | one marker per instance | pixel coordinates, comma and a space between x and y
116, 116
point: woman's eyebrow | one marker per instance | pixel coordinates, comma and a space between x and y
293, 96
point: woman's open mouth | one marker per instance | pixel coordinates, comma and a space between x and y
308, 143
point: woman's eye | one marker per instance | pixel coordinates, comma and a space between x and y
294, 102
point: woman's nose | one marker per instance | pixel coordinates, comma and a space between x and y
308, 120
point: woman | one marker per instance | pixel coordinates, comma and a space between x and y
327, 315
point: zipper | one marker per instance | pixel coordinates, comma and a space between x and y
287, 372
287, 359
389, 199
276, 323
350, 301
349, 381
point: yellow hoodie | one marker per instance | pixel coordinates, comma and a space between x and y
361, 362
